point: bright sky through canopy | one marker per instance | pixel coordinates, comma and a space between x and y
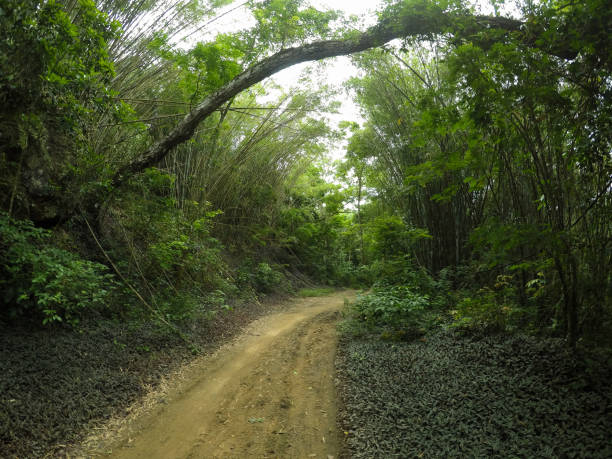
335, 72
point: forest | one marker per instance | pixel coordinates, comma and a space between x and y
157, 193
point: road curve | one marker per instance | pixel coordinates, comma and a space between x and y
268, 393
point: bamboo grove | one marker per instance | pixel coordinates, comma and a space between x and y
502, 154
147, 162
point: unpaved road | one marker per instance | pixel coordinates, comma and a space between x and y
269, 393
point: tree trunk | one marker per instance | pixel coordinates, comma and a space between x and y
416, 20
435, 21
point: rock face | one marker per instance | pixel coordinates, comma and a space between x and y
43, 191
42, 196
35, 171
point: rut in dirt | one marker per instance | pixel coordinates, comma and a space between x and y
270, 393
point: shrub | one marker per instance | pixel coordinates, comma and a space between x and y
401, 270
43, 281
395, 312
493, 309
170, 253
266, 278
396, 306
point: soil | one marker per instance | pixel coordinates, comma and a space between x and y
269, 393
65, 390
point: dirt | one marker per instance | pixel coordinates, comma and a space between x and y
65, 390
269, 393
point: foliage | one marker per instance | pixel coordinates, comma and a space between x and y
396, 306
55, 69
208, 66
44, 282
533, 208
397, 311
430, 186
451, 396
170, 252
313, 292
283, 23
495, 309
266, 278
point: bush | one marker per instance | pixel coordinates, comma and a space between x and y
401, 270
43, 281
266, 278
395, 312
168, 248
493, 309
396, 306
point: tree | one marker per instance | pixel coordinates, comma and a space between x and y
54, 77
57, 200
504, 157
412, 18
416, 18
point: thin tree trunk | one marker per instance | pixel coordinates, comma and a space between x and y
359, 185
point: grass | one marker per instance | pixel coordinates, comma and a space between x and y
317, 291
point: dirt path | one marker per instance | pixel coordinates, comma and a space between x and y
270, 393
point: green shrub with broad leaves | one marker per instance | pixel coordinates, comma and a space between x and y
266, 278
46, 282
396, 312
404, 304
493, 308
395, 306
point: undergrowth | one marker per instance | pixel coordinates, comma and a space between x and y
402, 310
428, 371
43, 282
454, 396
316, 291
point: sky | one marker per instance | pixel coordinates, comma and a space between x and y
336, 71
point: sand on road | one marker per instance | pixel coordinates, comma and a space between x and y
268, 393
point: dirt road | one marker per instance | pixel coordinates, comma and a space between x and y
269, 393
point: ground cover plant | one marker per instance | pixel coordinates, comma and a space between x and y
58, 384
315, 291
452, 395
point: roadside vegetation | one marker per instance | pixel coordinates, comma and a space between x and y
449, 395
150, 202
319, 291
486, 332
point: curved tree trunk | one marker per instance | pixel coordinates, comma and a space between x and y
417, 24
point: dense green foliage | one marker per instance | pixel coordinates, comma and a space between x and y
501, 154
475, 197
483, 164
450, 396
237, 212
41, 281
54, 77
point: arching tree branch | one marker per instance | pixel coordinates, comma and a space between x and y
408, 25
